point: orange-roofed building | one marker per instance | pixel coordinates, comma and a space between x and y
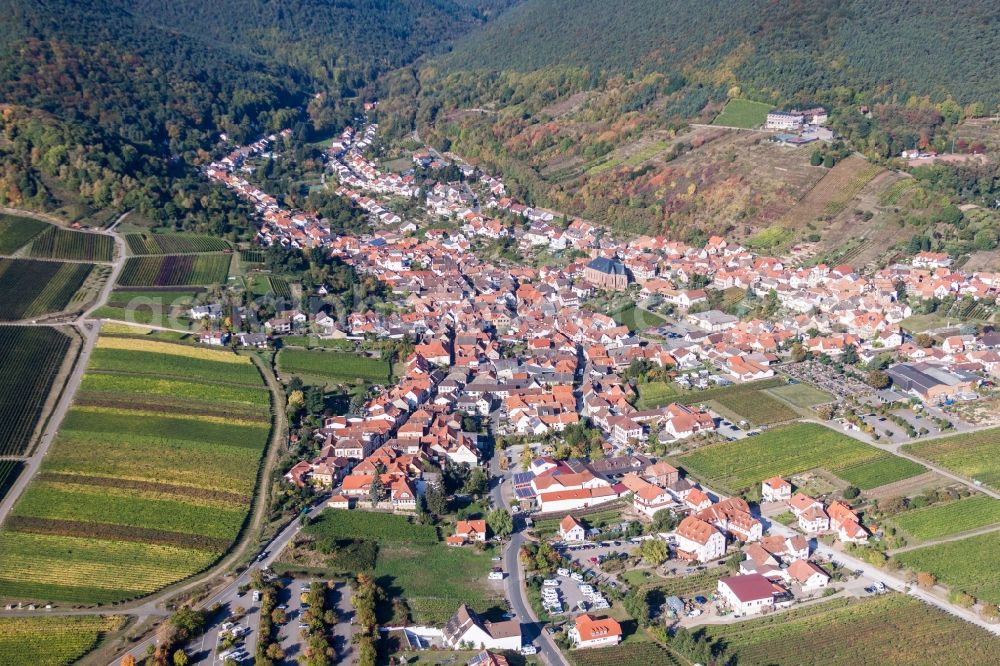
591, 632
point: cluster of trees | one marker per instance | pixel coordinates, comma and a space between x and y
367, 596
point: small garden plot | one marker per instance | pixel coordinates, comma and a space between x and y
748, 401
743, 113
59, 243
31, 288
15, 232
252, 256
637, 319
52, 641
969, 565
334, 366
704, 582
975, 454
139, 243
30, 358
175, 270
743, 464
890, 629
656, 394
939, 520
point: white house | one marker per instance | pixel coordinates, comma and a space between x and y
591, 632
466, 629
571, 530
776, 489
697, 540
747, 594
808, 575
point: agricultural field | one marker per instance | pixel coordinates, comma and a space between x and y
175, 270
786, 450
975, 454
638, 653
9, 471
149, 479
637, 319
59, 243
148, 243
409, 560
656, 394
704, 582
52, 641
15, 232
743, 113
746, 401
334, 366
890, 629
939, 520
832, 193
801, 395
157, 307
252, 256
31, 288
969, 565
30, 358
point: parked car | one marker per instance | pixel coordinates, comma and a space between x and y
529, 649
550, 582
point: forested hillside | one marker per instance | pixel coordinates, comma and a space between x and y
775, 50
141, 88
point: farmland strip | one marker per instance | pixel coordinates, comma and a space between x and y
167, 488
77, 528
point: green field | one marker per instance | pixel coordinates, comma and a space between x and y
52, 641
790, 449
938, 520
144, 243
15, 232
31, 288
411, 562
334, 366
175, 270
656, 394
157, 307
30, 358
801, 395
59, 243
746, 401
890, 629
149, 479
637, 319
975, 455
743, 113
969, 565
704, 582
638, 653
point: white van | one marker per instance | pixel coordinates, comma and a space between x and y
550, 582
496, 575
563, 572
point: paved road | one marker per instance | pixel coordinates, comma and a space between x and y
501, 493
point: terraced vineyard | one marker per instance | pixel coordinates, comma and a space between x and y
30, 358
175, 270
9, 471
791, 449
139, 243
31, 288
15, 232
149, 479
975, 455
849, 187
895, 192
59, 243
52, 641
969, 565
940, 520
891, 629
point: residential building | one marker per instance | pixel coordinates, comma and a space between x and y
589, 631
